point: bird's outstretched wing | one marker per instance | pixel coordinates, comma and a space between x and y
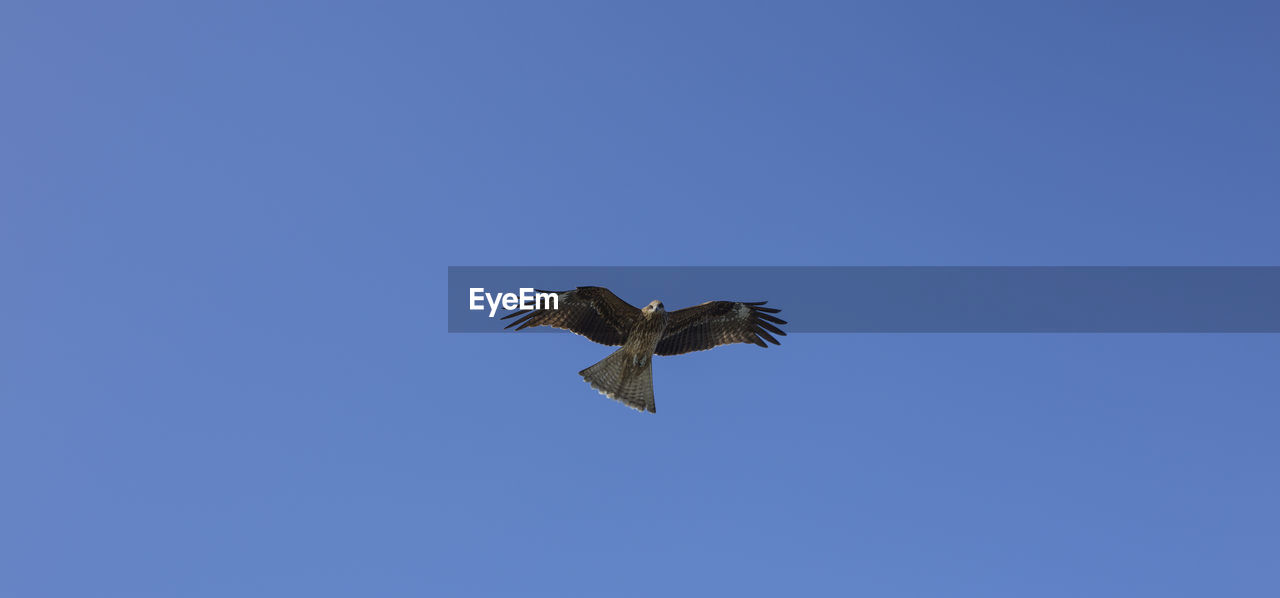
593, 312
715, 323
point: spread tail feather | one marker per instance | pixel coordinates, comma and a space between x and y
624, 378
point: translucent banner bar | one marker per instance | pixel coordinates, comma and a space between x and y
915, 299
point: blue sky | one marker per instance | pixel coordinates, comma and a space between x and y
225, 230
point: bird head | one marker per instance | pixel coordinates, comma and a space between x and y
654, 306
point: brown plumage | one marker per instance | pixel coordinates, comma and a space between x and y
626, 375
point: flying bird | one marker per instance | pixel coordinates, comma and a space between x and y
626, 375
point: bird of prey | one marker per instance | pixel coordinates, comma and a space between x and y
626, 375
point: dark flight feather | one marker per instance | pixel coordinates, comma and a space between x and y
593, 312
716, 323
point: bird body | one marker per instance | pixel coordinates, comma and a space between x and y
626, 375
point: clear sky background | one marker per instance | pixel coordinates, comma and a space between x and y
224, 233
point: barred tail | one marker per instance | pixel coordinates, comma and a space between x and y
622, 377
